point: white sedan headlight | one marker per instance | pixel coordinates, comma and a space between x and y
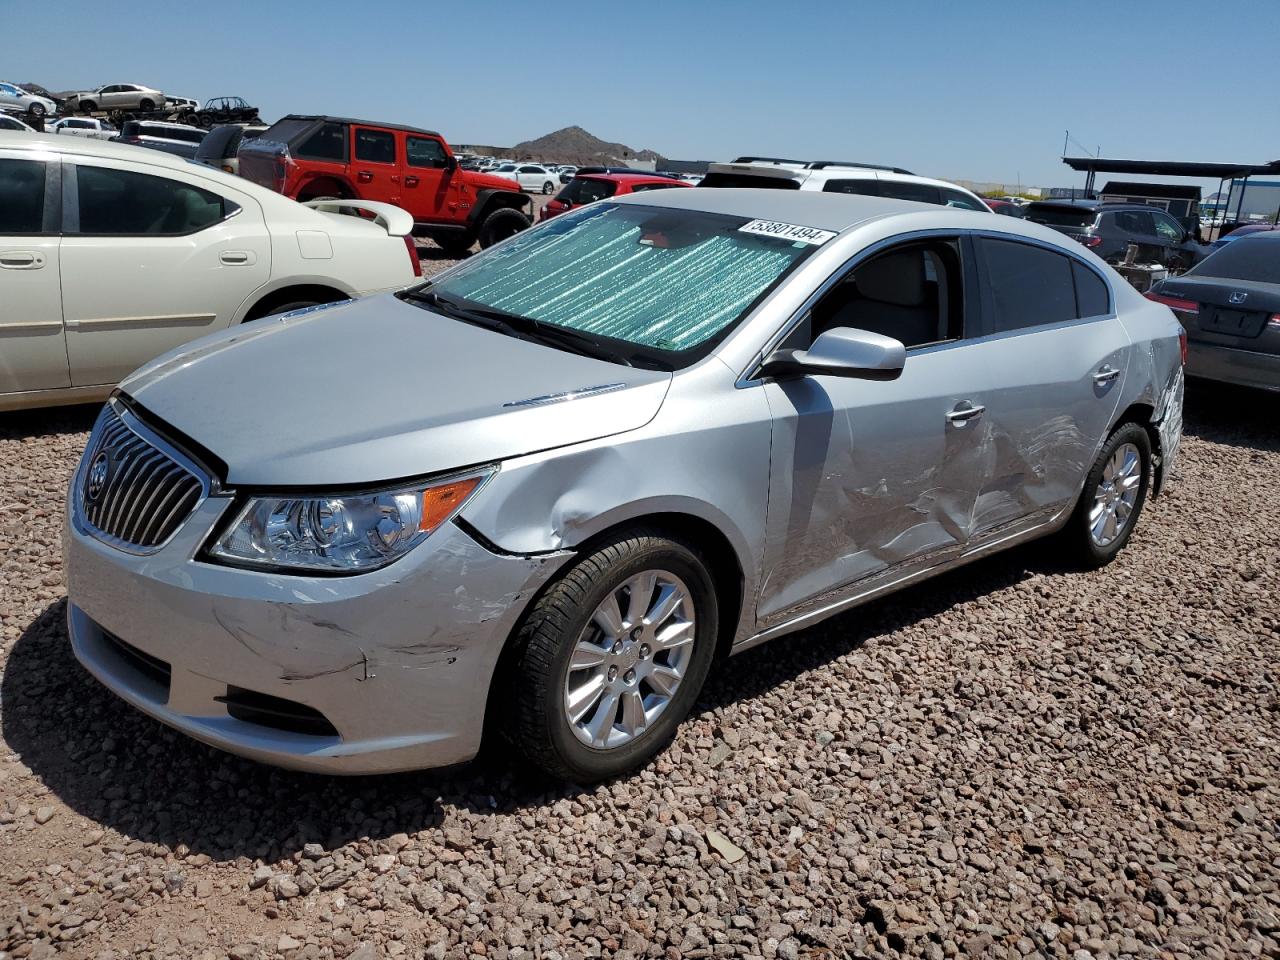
343, 534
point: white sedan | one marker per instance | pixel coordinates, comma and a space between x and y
533, 177
90, 127
10, 122
148, 251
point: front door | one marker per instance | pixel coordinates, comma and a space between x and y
868, 476
377, 169
152, 262
33, 350
431, 181
1057, 358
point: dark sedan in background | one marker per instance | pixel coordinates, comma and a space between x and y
1108, 228
1230, 307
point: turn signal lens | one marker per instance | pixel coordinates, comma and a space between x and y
441, 503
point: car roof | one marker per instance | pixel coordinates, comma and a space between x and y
629, 177
363, 123
842, 211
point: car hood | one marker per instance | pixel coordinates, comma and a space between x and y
379, 389
490, 181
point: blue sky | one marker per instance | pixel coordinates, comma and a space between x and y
980, 91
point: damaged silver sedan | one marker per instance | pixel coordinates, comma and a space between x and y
541, 493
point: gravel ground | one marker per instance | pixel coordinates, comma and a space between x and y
1011, 760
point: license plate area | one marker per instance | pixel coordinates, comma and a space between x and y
1233, 323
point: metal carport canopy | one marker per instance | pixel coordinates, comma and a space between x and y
1172, 168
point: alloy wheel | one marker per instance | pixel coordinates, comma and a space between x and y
630, 659
1116, 494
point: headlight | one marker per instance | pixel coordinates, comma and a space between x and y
343, 534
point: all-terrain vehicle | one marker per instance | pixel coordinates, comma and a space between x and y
221, 110
318, 157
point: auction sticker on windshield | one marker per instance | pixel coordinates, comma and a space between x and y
787, 231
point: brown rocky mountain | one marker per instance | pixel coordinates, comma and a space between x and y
573, 145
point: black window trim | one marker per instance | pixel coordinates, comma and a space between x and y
408, 158
988, 309
71, 202
750, 376
355, 146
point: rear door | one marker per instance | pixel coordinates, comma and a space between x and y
33, 351
1056, 358
151, 260
376, 163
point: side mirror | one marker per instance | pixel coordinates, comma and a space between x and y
841, 352
451, 163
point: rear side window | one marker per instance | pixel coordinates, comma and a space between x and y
424, 152
219, 144
866, 187
21, 196
748, 180
120, 202
1092, 298
376, 146
327, 143
1029, 286
587, 190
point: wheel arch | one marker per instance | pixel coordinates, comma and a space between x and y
491, 199
263, 302
327, 185
1143, 414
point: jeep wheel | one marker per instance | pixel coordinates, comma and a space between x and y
502, 224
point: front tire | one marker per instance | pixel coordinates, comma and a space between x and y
611, 658
146, 105
500, 224
1113, 496
36, 109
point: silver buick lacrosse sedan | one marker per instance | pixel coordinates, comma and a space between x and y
553, 485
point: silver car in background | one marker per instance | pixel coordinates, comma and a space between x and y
547, 488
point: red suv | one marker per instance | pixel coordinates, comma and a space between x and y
313, 157
589, 187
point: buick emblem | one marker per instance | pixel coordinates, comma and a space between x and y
99, 470
1238, 297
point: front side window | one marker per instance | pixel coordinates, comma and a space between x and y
376, 146
21, 196
11, 91
531, 170
1134, 221
954, 198
120, 202
1029, 286
424, 152
913, 293
665, 284
1167, 228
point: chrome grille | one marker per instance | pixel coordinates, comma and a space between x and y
135, 490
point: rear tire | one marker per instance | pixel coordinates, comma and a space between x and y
87, 106
580, 703
456, 247
547, 188
501, 224
1115, 490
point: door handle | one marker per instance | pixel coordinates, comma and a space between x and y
236, 257
364, 176
410, 181
963, 412
21, 260
1106, 374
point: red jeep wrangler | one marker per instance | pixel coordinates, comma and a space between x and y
309, 158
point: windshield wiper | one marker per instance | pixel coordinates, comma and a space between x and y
513, 323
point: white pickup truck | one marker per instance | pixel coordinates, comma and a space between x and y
90, 127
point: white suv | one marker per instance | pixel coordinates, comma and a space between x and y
837, 177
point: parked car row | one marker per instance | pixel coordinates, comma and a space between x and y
146, 252
1108, 228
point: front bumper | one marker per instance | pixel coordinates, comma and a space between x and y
1230, 365
396, 663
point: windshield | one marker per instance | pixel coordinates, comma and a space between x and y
1249, 258
665, 285
1061, 216
587, 190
